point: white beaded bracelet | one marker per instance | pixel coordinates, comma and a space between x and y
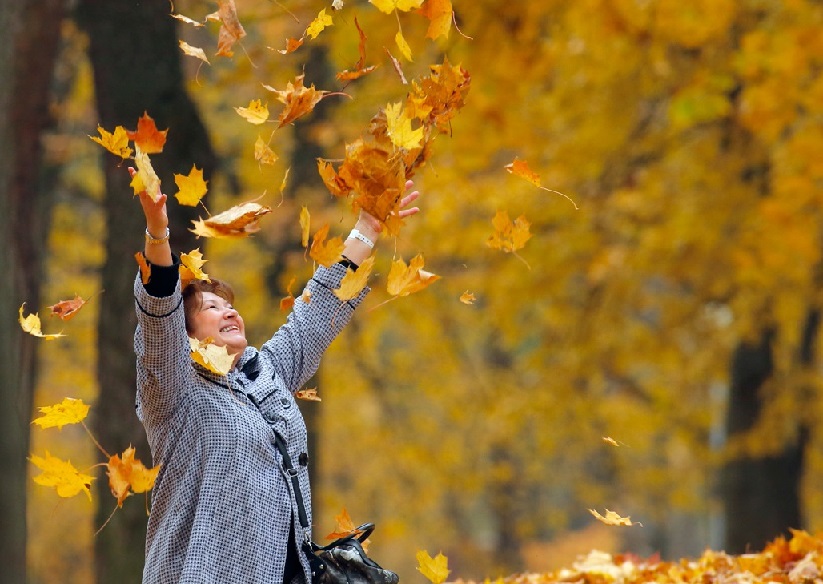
355, 234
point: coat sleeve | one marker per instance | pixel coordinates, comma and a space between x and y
161, 345
296, 347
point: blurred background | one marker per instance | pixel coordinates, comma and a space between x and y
653, 351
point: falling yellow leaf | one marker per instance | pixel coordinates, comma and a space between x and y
399, 129
613, 518
61, 475
117, 142
256, 113
31, 325
521, 168
319, 23
404, 47
325, 252
305, 225
389, 6
612, 441
354, 281
439, 13
404, 280
467, 297
263, 153
435, 569
509, 235
192, 51
192, 187
69, 411
238, 221
191, 267
145, 179
215, 359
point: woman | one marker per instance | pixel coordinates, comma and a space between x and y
223, 508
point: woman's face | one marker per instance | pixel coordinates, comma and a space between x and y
220, 321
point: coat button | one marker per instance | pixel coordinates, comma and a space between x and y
303, 459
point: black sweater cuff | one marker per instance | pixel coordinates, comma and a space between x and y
163, 279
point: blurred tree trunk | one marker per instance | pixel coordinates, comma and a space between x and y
136, 61
28, 47
761, 495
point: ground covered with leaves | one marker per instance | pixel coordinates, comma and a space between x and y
797, 560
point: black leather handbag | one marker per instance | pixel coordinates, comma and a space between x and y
343, 561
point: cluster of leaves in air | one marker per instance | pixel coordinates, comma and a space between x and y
796, 560
127, 475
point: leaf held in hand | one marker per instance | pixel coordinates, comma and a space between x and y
145, 179
399, 128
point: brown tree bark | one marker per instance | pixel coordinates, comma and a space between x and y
136, 61
761, 495
28, 47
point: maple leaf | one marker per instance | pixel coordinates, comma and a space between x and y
437, 98
147, 137
404, 47
128, 475
354, 281
305, 225
231, 31
192, 187
398, 127
287, 302
298, 100
215, 359
360, 68
308, 394
439, 14
319, 23
521, 168
256, 113
116, 142
291, 46
145, 268
612, 518
325, 252
145, 179
263, 153
31, 324
344, 526
69, 411
389, 6
191, 267
61, 475
435, 569
66, 309
404, 280
238, 221
509, 235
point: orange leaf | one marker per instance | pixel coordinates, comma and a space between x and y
145, 268
66, 309
467, 297
287, 302
238, 221
325, 252
360, 68
307, 394
521, 168
147, 136
305, 224
345, 526
404, 280
291, 46
128, 475
298, 100
439, 13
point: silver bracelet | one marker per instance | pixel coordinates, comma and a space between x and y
157, 240
355, 234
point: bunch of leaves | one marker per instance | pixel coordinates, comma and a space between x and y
377, 165
795, 560
127, 475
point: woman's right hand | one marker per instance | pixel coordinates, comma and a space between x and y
157, 219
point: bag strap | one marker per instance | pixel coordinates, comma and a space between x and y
362, 532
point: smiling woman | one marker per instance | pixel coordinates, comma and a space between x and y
223, 504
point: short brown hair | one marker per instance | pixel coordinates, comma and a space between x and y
193, 296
